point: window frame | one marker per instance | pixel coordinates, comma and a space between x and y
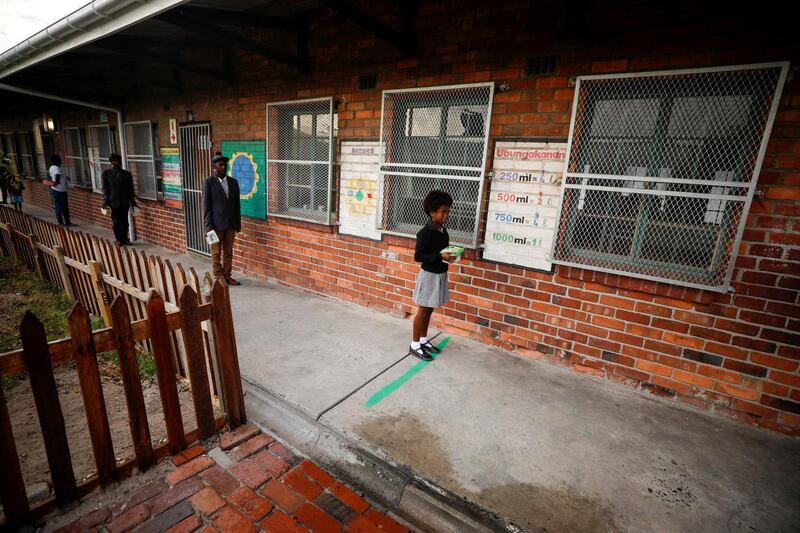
417, 170
97, 186
28, 136
142, 158
82, 157
629, 183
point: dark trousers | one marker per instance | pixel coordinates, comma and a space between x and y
4, 190
62, 206
119, 218
225, 248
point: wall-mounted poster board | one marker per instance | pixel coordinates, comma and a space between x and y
523, 202
358, 195
171, 177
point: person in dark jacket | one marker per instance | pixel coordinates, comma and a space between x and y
431, 288
221, 213
118, 196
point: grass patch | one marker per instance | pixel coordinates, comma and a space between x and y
22, 290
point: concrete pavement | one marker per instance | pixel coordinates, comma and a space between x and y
537, 444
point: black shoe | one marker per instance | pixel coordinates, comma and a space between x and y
420, 353
71, 224
430, 348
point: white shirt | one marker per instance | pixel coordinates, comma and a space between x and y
62, 186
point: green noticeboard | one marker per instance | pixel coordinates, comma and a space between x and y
247, 164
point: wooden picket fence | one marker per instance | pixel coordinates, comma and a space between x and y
200, 327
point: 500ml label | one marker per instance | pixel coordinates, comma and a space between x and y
513, 198
522, 220
513, 239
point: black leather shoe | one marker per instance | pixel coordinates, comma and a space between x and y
430, 348
420, 353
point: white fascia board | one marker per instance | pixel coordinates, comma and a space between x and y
103, 18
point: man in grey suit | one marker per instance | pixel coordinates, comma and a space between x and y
118, 195
221, 214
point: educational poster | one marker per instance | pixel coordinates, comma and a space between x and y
523, 202
358, 196
247, 165
171, 177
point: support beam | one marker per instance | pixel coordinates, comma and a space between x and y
232, 38
402, 41
236, 18
165, 59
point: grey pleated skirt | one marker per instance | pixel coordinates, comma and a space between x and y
431, 289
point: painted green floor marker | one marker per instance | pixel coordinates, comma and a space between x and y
396, 384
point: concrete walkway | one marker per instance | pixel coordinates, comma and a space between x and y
537, 444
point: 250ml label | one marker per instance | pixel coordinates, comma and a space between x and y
527, 177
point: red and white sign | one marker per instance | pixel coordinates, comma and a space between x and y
173, 131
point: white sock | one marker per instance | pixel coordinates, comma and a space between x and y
423, 340
415, 345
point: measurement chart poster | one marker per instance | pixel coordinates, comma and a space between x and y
171, 177
523, 202
358, 196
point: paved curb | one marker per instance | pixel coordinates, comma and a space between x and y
419, 501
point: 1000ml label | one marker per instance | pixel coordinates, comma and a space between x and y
522, 220
512, 239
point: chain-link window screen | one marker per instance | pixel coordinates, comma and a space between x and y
434, 138
300, 158
661, 171
77, 163
141, 157
101, 145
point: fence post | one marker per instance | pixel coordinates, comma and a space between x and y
62, 269
226, 351
99, 293
38, 258
12, 249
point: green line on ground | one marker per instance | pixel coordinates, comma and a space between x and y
396, 384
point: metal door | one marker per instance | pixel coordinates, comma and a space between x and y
195, 145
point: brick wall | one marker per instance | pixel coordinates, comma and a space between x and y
736, 354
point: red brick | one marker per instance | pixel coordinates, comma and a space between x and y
653, 368
283, 496
176, 494
250, 503
207, 501
274, 465
249, 473
726, 350
316, 473
129, 519
229, 520
693, 379
302, 484
140, 495
186, 526
279, 522
223, 482
739, 392
361, 525
187, 455
251, 446
237, 436
316, 519
284, 453
189, 469
88, 521
681, 340
353, 500
774, 362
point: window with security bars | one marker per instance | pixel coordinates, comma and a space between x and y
300, 138
141, 157
101, 145
25, 154
661, 171
434, 138
76, 157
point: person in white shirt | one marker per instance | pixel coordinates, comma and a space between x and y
59, 191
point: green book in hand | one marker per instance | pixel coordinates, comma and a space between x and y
455, 251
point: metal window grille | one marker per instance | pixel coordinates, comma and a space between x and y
77, 162
141, 157
101, 145
25, 154
661, 170
434, 138
300, 138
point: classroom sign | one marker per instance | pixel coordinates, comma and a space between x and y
171, 177
523, 202
358, 198
247, 165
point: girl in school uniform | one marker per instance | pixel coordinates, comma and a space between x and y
431, 289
